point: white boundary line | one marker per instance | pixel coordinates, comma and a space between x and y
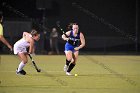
31, 71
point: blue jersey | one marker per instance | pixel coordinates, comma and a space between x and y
74, 41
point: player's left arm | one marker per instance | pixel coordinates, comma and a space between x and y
31, 48
82, 39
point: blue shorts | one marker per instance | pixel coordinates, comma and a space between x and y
69, 47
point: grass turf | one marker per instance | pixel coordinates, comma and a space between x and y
96, 74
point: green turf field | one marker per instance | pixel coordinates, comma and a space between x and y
96, 74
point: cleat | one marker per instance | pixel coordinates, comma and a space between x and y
68, 73
22, 72
65, 68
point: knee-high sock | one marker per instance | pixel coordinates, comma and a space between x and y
21, 65
67, 62
70, 67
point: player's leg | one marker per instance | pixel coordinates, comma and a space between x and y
68, 59
73, 63
23, 58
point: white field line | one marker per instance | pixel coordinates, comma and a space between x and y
32, 71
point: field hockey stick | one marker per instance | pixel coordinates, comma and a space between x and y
38, 70
58, 25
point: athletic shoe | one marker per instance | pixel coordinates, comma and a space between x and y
65, 68
22, 72
68, 73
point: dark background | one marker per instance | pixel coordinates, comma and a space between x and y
109, 26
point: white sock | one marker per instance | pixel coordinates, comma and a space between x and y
21, 65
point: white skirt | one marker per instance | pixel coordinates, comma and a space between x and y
19, 50
21, 46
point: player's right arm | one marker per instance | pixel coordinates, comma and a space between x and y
5, 42
3, 39
64, 37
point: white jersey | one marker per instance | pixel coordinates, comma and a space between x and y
21, 46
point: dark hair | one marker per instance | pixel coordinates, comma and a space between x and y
69, 27
1, 14
34, 32
74, 24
